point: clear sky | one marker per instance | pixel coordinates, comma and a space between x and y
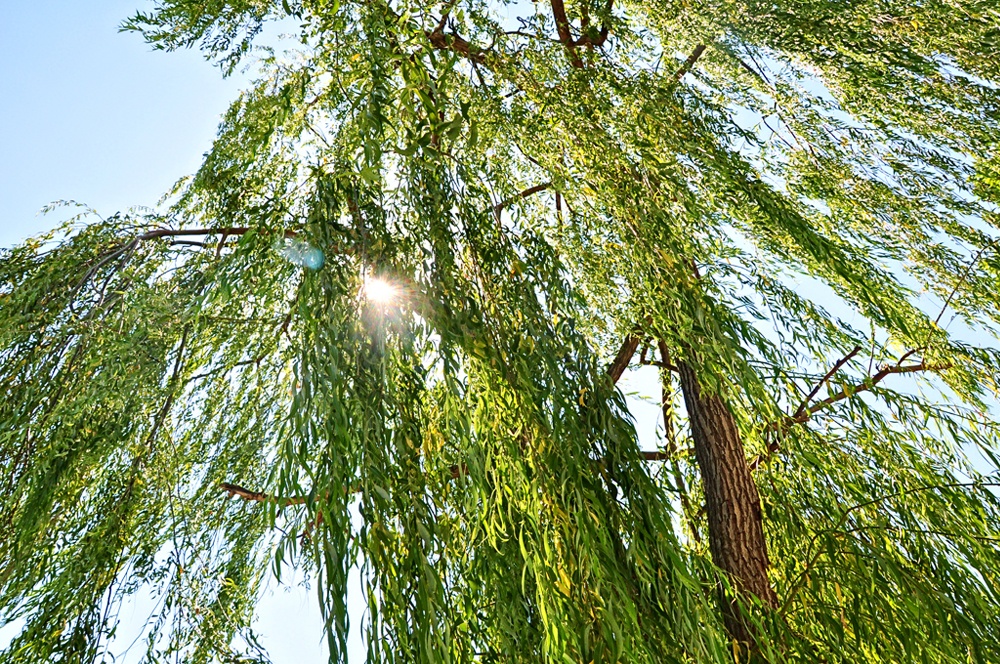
95, 115
92, 114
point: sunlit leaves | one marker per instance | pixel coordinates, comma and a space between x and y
817, 180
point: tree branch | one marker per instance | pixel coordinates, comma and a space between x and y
444, 15
565, 36
171, 232
690, 62
829, 374
864, 387
657, 363
624, 356
524, 194
804, 414
258, 496
602, 37
452, 42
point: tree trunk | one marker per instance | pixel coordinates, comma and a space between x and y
732, 505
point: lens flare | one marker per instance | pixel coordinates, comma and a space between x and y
380, 291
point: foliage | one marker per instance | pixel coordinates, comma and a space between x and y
538, 181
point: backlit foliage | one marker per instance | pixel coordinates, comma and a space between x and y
767, 187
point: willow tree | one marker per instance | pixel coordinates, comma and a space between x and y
779, 205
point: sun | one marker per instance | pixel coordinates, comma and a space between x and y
379, 291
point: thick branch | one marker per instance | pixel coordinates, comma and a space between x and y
624, 356
690, 62
602, 37
565, 36
562, 23
452, 42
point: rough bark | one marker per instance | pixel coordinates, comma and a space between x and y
732, 504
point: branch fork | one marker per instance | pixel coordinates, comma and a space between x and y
807, 408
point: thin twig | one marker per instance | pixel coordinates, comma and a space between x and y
961, 281
176, 232
804, 414
797, 583
829, 374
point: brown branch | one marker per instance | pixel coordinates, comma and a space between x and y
662, 365
565, 36
864, 387
452, 42
624, 356
829, 374
444, 15
805, 414
690, 62
586, 40
524, 194
562, 23
258, 496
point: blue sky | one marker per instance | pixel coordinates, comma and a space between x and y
95, 115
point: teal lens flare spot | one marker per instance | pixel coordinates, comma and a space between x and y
302, 254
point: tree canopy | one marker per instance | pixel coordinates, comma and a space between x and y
381, 329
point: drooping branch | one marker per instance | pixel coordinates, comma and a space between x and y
799, 581
615, 371
666, 406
